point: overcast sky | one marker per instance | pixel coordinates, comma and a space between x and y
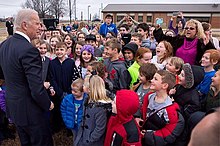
10, 7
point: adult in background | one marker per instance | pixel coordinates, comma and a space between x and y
10, 26
190, 45
27, 101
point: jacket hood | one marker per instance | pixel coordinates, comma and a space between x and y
130, 46
193, 75
127, 104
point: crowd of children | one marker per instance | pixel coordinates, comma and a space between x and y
152, 91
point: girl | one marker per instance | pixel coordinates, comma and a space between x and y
81, 36
164, 51
70, 43
143, 55
86, 56
53, 41
76, 52
96, 108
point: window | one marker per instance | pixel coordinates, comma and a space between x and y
140, 18
149, 18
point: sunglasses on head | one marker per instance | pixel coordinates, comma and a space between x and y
189, 28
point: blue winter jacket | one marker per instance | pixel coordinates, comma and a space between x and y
67, 109
104, 29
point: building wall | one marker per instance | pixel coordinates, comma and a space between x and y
214, 19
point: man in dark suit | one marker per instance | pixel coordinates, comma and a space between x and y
9, 24
27, 101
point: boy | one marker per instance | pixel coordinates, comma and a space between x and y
108, 26
209, 59
62, 71
122, 129
116, 69
163, 124
72, 106
174, 66
129, 51
136, 38
91, 40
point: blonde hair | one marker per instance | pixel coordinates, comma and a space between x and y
97, 88
78, 83
177, 62
199, 29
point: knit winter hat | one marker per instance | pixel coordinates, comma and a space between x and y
189, 78
130, 46
87, 48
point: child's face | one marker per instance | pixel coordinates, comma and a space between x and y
76, 92
156, 82
114, 109
78, 49
128, 55
160, 50
61, 53
81, 37
142, 78
182, 80
98, 38
89, 70
43, 50
110, 52
55, 32
135, 40
68, 41
53, 42
206, 60
91, 42
86, 56
145, 59
171, 68
216, 80
105, 54
142, 32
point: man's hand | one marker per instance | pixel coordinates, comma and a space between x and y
51, 106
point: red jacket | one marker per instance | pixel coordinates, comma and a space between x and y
122, 129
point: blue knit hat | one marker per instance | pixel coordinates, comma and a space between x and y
87, 48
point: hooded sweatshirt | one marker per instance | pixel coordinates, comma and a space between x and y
122, 129
105, 28
188, 97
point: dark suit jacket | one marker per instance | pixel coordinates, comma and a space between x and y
26, 97
45, 67
9, 25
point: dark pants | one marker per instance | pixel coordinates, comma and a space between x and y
36, 135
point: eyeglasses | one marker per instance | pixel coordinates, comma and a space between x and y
189, 28
122, 30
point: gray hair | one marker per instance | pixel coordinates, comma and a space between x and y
24, 15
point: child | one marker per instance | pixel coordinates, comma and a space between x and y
209, 59
122, 129
53, 41
213, 97
86, 56
164, 51
146, 73
118, 73
72, 107
136, 38
98, 68
91, 40
143, 56
186, 94
174, 66
76, 52
93, 127
62, 71
129, 51
70, 43
163, 123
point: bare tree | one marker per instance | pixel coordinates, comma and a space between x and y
46, 7
58, 8
41, 6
